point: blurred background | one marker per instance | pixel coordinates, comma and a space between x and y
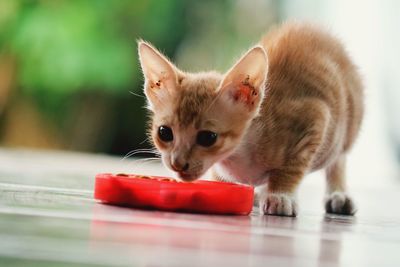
70, 77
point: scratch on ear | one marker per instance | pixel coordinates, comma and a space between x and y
246, 93
156, 84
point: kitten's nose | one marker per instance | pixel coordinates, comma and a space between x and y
185, 167
179, 167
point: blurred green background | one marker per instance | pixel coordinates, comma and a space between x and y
69, 71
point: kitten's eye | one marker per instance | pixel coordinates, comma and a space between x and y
165, 133
206, 138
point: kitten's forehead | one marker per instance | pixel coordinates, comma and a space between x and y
196, 94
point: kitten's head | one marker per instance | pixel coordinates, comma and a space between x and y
200, 118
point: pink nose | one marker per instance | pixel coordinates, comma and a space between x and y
179, 167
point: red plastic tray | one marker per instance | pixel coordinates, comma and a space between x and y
163, 193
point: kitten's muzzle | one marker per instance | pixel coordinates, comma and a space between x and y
186, 172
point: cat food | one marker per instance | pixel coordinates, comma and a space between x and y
165, 193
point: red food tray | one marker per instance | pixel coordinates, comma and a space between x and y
163, 193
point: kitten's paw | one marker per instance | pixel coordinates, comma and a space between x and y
339, 203
278, 204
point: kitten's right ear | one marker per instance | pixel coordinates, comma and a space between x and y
244, 84
160, 74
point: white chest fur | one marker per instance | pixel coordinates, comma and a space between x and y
241, 167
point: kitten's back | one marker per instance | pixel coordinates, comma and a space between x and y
311, 81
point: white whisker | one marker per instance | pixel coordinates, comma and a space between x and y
140, 151
133, 93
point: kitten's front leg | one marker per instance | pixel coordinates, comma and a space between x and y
281, 204
278, 197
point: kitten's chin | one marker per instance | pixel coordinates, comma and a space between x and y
188, 177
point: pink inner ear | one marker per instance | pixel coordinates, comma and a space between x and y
245, 93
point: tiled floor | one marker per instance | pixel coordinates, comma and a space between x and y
48, 218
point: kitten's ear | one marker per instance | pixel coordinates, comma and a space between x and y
244, 83
159, 73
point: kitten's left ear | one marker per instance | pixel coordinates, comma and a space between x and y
160, 74
244, 83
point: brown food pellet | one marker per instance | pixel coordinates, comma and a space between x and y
166, 179
143, 177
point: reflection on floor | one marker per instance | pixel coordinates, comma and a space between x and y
48, 218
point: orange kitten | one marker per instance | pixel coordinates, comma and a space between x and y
291, 105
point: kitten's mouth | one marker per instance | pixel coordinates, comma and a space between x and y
187, 177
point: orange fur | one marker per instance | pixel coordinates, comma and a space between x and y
278, 116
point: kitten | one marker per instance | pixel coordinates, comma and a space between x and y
291, 105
